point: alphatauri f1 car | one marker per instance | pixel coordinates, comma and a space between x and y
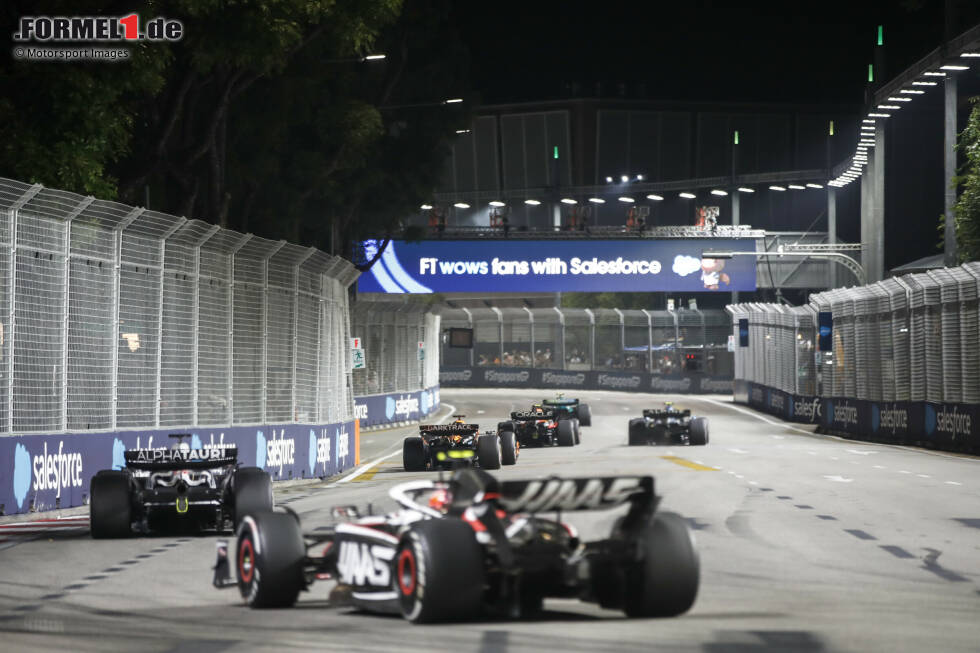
540, 427
444, 446
668, 425
177, 487
570, 408
475, 546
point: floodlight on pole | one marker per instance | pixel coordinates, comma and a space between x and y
628, 200
655, 197
608, 180
812, 185
462, 131
374, 57
568, 200
952, 67
453, 100
497, 203
967, 55
426, 207
624, 178
777, 188
796, 187
461, 205
880, 115
597, 200
933, 74
911, 91
899, 99
687, 196
918, 83
718, 192
532, 202
889, 106
745, 189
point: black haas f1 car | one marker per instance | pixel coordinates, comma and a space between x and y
475, 546
570, 408
178, 487
668, 425
541, 427
445, 446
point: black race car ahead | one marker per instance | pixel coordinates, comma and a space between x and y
176, 488
668, 425
474, 546
570, 408
540, 427
445, 446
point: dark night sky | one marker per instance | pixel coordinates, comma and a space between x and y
693, 50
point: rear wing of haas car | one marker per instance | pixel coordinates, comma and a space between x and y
530, 415
161, 459
565, 494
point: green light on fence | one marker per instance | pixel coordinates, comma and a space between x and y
736, 137
881, 34
871, 72
831, 127
556, 151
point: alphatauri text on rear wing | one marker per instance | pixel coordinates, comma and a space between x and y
149, 459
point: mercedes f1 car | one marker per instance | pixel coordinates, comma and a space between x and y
570, 408
668, 425
444, 446
475, 546
541, 426
177, 487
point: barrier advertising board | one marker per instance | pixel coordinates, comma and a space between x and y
383, 409
519, 377
639, 265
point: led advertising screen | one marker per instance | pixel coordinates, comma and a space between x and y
641, 265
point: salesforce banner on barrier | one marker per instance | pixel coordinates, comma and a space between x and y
44, 472
639, 265
383, 409
947, 426
517, 377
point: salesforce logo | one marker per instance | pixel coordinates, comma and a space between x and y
951, 422
22, 474
808, 410
887, 418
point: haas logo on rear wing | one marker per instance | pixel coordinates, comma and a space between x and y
574, 493
523, 415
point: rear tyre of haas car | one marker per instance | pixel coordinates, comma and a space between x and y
508, 448
488, 451
664, 583
252, 489
699, 431
584, 415
413, 454
111, 511
269, 559
566, 433
439, 572
636, 436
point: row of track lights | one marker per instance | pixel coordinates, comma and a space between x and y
883, 111
631, 200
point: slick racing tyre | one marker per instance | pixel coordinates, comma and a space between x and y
269, 560
576, 428
508, 448
506, 426
413, 454
699, 431
584, 415
664, 582
252, 489
439, 572
488, 451
111, 511
636, 432
565, 433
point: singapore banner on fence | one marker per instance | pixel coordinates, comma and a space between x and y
385, 409
520, 377
639, 265
945, 426
44, 472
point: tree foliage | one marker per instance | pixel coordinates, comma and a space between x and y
967, 208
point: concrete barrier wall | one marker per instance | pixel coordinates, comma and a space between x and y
45, 472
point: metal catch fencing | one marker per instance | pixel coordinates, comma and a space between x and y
119, 317
659, 342
909, 338
401, 347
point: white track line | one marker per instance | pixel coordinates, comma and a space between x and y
366, 466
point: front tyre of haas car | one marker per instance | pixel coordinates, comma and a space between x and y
698, 434
110, 505
664, 581
439, 572
488, 451
584, 415
508, 448
565, 432
270, 553
637, 432
252, 492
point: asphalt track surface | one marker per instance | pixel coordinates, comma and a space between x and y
808, 543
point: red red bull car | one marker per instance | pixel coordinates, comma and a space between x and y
475, 546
